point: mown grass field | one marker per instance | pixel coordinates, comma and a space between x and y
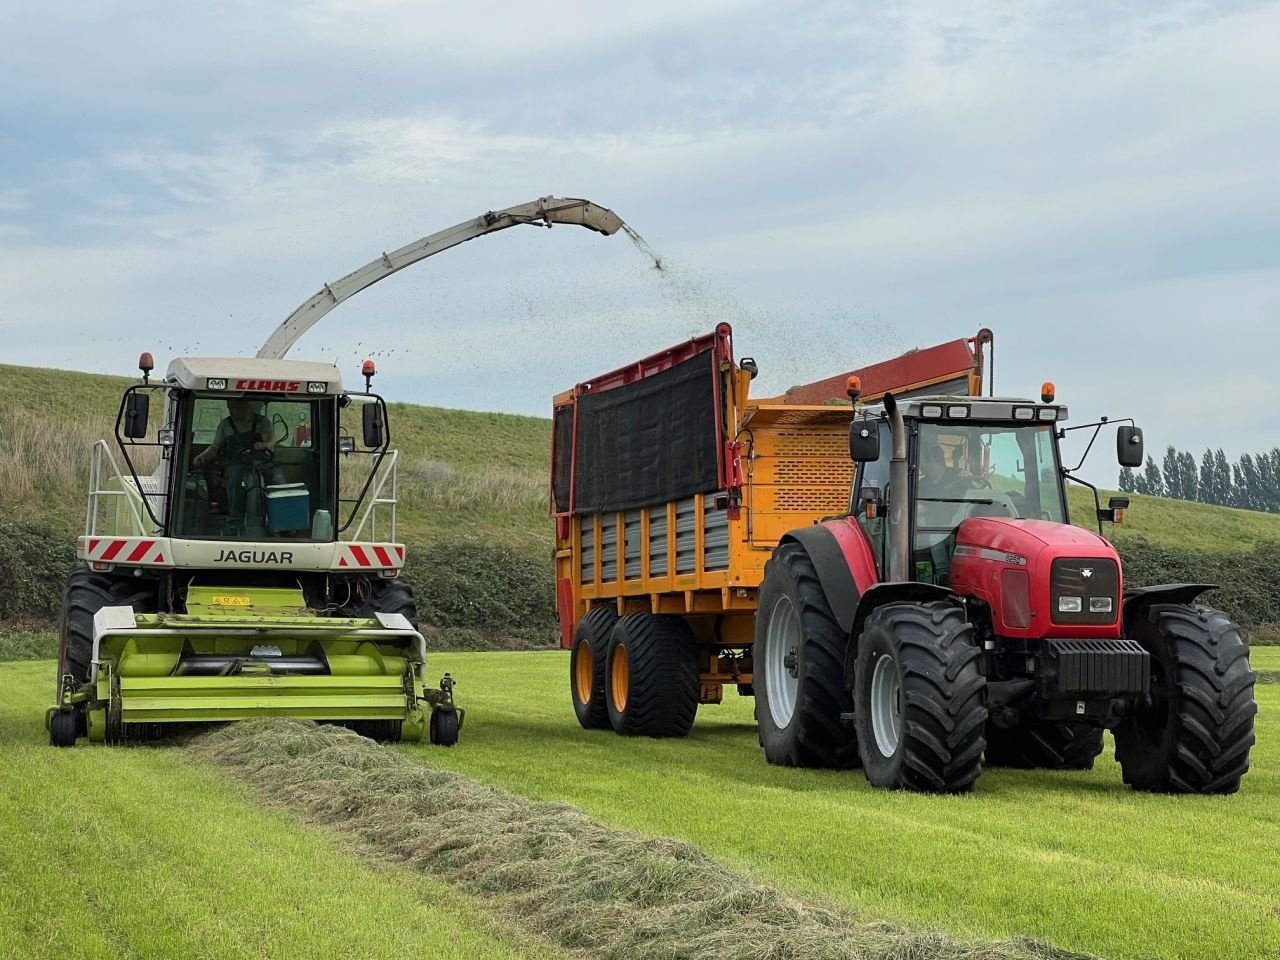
1075, 858
144, 853
473, 474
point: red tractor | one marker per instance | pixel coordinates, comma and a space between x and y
954, 618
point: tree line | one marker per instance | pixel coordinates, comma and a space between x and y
1252, 482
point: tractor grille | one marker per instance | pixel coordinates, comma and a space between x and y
1095, 584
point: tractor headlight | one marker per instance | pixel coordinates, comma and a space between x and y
1070, 605
216, 383
1100, 604
317, 386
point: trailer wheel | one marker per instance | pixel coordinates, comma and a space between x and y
921, 704
1195, 735
63, 727
588, 657
652, 674
799, 669
1043, 745
444, 727
86, 593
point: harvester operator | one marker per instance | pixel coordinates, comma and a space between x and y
241, 433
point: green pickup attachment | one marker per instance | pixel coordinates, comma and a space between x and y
240, 653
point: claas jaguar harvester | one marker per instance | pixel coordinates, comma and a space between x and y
252, 571
898, 585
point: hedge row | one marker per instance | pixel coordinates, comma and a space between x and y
481, 589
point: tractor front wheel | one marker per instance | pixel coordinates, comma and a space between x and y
1195, 734
652, 676
587, 659
799, 668
920, 702
1044, 745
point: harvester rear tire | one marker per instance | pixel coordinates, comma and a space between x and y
921, 703
1043, 745
86, 593
386, 596
1196, 735
799, 718
652, 671
587, 676
63, 728
444, 727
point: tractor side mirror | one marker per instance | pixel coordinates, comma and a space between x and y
1129, 446
137, 410
374, 428
864, 441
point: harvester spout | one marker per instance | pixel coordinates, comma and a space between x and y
544, 211
899, 531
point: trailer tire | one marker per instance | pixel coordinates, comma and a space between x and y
1196, 734
86, 593
1044, 745
921, 703
588, 658
800, 692
652, 676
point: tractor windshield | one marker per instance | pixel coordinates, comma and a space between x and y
255, 468
980, 470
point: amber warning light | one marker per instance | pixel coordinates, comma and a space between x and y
853, 387
1047, 393
146, 364
367, 370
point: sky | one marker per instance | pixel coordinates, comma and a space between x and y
1095, 182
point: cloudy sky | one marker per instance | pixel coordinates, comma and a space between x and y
1097, 182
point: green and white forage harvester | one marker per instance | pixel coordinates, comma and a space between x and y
240, 560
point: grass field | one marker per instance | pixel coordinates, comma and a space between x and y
1074, 858
141, 853
477, 474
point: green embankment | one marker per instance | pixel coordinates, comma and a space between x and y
1074, 858
143, 853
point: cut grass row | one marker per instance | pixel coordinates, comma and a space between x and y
1073, 858
145, 853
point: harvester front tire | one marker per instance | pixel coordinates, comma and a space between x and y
588, 657
444, 727
652, 673
386, 596
798, 669
63, 728
1043, 745
1196, 735
921, 703
86, 593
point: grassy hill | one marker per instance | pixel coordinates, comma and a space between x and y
467, 474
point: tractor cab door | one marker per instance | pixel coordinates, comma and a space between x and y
872, 479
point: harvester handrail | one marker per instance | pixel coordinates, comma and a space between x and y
375, 499
97, 491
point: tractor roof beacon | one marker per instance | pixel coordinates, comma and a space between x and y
240, 560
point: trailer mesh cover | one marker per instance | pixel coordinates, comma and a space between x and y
648, 442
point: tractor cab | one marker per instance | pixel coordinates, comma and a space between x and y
966, 458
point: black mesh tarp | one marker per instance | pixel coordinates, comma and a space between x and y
650, 441
562, 425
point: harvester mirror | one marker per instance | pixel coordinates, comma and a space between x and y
374, 429
864, 441
1129, 446
137, 410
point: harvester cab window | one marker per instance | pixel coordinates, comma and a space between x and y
253, 469
983, 470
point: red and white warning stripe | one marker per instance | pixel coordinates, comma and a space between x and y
371, 556
148, 551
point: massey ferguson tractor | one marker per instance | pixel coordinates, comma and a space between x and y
921, 613
254, 571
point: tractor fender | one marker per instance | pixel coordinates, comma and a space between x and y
1139, 598
901, 592
844, 563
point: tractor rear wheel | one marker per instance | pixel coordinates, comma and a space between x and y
799, 668
86, 593
1044, 745
652, 676
921, 704
1195, 735
587, 659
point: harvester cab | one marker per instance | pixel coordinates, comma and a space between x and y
240, 560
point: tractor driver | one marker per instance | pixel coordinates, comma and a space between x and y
240, 433
936, 478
